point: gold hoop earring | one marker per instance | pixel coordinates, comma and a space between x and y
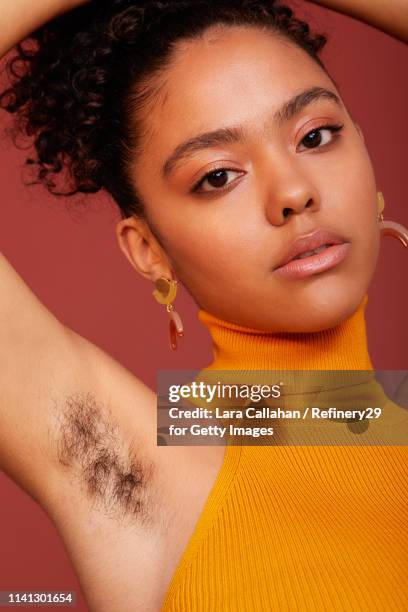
390, 228
164, 293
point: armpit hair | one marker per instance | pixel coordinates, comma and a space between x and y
110, 471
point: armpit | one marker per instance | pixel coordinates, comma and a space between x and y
111, 472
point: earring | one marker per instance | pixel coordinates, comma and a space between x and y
390, 228
165, 292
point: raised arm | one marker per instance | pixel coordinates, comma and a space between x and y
18, 18
54, 383
391, 16
37, 358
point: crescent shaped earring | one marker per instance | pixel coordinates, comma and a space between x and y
390, 228
164, 293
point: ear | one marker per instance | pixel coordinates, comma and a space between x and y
142, 249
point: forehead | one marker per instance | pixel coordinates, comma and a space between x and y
234, 75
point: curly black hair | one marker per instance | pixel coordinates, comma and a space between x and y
80, 83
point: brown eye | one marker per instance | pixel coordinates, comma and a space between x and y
216, 179
313, 139
320, 136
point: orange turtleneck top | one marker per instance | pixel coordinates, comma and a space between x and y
297, 527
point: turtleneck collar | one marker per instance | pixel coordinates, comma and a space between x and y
343, 347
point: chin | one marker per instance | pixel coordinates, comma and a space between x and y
327, 310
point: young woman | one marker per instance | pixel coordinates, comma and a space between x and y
225, 143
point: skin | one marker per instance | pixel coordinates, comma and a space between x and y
223, 246
390, 16
19, 18
276, 176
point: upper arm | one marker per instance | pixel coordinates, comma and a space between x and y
37, 358
53, 385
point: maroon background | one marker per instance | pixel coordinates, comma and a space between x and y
72, 262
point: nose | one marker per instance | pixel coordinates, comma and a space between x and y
290, 193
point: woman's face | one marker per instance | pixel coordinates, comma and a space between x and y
225, 239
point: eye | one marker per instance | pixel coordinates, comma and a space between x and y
217, 179
320, 136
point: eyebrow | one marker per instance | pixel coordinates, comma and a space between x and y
236, 134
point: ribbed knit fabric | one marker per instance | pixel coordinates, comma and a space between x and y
343, 347
298, 527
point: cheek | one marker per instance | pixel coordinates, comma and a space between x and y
207, 246
360, 213
212, 251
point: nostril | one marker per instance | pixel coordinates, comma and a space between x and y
286, 212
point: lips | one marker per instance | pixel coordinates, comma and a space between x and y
310, 242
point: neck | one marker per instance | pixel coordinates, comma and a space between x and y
343, 347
